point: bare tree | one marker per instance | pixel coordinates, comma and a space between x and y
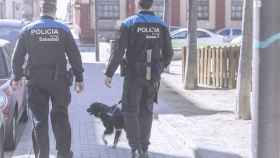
191, 66
244, 81
97, 57
166, 11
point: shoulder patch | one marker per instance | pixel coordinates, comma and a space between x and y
129, 21
140, 18
46, 23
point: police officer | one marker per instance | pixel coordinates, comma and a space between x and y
47, 43
144, 46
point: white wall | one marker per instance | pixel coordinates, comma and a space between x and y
14, 9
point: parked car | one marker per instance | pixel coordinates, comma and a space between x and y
3, 101
10, 29
14, 109
236, 41
229, 33
174, 28
204, 37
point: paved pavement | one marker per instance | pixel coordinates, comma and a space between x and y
187, 123
207, 121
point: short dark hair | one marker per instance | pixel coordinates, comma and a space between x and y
145, 4
48, 6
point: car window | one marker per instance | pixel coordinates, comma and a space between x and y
201, 34
236, 32
8, 55
9, 33
8, 51
3, 66
179, 35
225, 32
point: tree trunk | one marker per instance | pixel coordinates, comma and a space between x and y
191, 66
166, 12
97, 57
27, 10
244, 80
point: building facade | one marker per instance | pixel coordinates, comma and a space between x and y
14, 9
2, 9
19, 9
212, 14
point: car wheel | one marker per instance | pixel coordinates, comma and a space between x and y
2, 137
10, 135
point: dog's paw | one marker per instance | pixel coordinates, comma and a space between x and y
105, 142
114, 146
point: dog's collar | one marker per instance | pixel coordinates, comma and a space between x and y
99, 114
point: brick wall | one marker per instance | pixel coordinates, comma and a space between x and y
220, 14
82, 19
175, 12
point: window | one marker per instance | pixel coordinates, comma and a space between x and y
3, 66
158, 7
2, 10
236, 32
201, 34
180, 35
108, 9
236, 9
203, 9
9, 33
225, 32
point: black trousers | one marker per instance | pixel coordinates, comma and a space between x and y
40, 92
137, 106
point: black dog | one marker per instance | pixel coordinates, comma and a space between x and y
111, 118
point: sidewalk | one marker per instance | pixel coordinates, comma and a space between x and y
87, 130
207, 121
187, 123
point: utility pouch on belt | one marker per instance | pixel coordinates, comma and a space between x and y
149, 64
26, 73
56, 72
123, 67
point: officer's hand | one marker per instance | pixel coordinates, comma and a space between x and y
15, 85
108, 81
79, 87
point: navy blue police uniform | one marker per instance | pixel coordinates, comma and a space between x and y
48, 43
138, 35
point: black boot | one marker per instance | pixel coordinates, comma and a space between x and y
68, 155
144, 154
136, 153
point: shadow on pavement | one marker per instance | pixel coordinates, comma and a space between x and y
206, 153
181, 105
105, 152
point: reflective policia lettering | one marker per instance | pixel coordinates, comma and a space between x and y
148, 30
46, 35
44, 32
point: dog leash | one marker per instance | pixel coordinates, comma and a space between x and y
115, 107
